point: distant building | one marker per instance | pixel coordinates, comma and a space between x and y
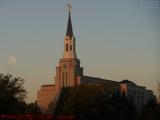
70, 73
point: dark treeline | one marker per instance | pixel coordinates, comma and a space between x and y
95, 102
12, 97
85, 102
151, 111
102, 102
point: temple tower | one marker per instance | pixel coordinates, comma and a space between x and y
68, 72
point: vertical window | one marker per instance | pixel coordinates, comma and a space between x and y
66, 79
70, 47
67, 47
63, 77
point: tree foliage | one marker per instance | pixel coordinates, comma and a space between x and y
92, 102
151, 111
33, 109
12, 95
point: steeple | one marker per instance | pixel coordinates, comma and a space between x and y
69, 40
69, 26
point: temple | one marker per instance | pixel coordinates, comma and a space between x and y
70, 73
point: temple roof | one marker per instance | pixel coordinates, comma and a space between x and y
127, 82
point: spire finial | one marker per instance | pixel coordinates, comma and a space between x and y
69, 26
69, 7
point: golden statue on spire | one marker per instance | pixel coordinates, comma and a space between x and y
69, 7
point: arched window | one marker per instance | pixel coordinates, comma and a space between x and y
67, 47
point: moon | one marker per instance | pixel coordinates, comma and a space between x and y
12, 60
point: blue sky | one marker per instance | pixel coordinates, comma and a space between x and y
115, 39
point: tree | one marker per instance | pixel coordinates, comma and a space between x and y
32, 108
151, 111
12, 95
93, 102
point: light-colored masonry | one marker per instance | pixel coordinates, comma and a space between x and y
70, 73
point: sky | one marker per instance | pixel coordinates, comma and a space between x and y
115, 39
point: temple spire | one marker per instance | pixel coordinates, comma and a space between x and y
69, 40
69, 26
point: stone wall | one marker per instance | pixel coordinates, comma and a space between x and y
45, 97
